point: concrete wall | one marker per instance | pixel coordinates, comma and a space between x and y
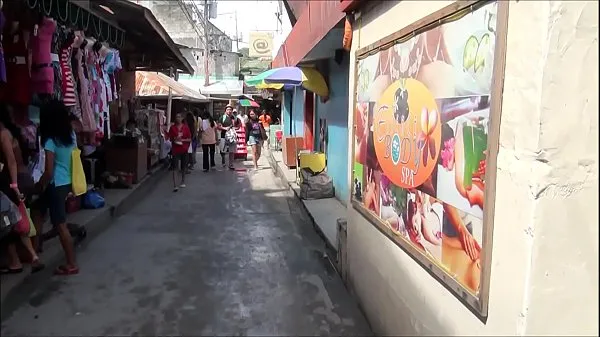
335, 112
544, 277
220, 65
177, 17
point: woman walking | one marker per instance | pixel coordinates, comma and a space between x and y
15, 179
180, 137
58, 141
209, 140
190, 120
254, 136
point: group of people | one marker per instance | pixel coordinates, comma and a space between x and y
186, 134
19, 189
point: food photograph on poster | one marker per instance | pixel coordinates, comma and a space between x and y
421, 122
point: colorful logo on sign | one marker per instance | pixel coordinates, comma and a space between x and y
407, 133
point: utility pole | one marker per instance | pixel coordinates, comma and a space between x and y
206, 46
237, 37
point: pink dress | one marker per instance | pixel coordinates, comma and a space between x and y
42, 73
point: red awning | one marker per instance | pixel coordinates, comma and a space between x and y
316, 20
348, 5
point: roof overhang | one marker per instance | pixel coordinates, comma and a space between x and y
316, 20
147, 44
152, 85
348, 5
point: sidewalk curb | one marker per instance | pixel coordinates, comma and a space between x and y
330, 250
53, 254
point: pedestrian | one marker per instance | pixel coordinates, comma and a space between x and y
265, 120
254, 136
225, 123
209, 139
16, 185
181, 138
190, 120
58, 141
243, 117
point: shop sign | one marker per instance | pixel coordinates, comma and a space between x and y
421, 122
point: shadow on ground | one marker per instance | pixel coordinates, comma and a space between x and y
231, 254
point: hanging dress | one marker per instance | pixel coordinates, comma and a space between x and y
88, 119
18, 80
42, 72
2, 65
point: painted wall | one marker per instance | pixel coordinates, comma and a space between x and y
545, 249
298, 112
286, 109
335, 112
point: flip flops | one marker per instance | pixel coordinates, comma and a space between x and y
7, 271
65, 271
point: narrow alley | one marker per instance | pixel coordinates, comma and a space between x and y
229, 255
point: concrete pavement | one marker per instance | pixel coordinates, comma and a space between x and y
231, 254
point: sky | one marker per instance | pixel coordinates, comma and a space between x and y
252, 15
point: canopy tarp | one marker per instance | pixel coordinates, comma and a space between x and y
151, 84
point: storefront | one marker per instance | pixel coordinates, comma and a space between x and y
317, 42
464, 171
84, 56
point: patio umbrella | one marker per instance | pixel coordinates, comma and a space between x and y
248, 102
286, 77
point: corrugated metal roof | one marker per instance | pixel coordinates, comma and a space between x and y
158, 84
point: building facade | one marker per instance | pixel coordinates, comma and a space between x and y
525, 259
321, 121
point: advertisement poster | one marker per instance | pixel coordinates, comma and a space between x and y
421, 138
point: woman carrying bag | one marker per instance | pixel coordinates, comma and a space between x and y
56, 183
15, 179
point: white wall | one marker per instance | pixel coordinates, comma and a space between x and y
545, 250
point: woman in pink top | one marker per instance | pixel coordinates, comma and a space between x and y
42, 74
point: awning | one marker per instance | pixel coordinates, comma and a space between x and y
231, 86
147, 44
156, 85
314, 22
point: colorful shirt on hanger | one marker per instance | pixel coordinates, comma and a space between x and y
68, 87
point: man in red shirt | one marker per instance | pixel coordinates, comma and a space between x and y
181, 138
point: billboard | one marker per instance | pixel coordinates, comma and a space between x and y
421, 127
260, 44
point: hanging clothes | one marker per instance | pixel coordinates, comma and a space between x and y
68, 87
18, 78
88, 120
56, 68
42, 72
2, 64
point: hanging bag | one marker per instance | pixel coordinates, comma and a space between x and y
78, 181
231, 136
23, 226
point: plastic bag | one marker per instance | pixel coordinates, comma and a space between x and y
79, 183
22, 227
93, 200
32, 230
